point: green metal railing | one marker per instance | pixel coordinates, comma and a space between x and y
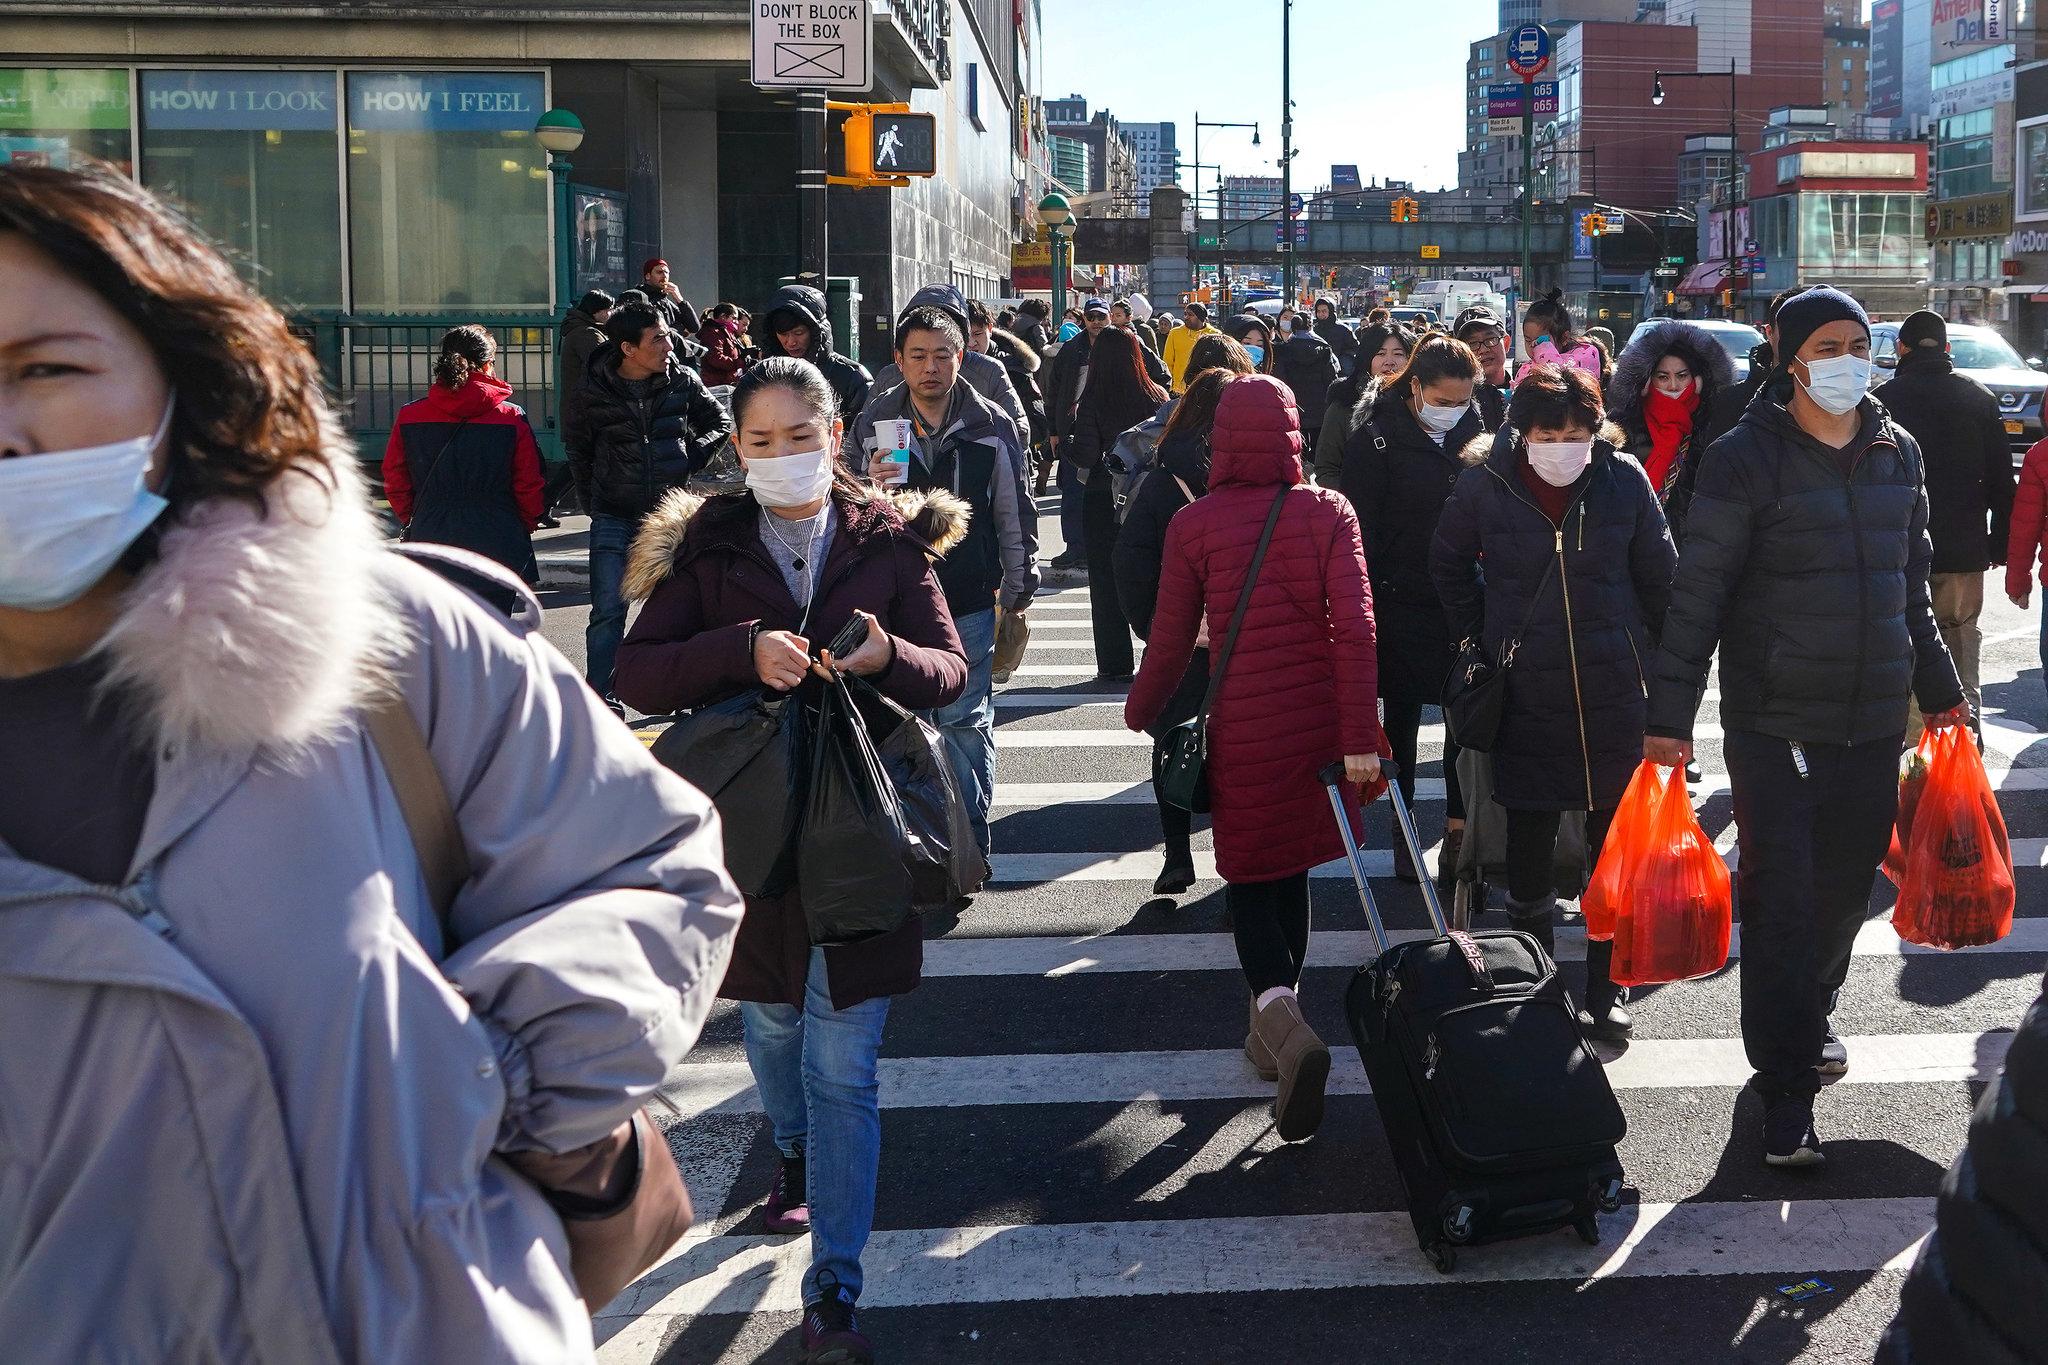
376, 363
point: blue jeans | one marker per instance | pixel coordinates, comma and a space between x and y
815, 1068
969, 724
610, 538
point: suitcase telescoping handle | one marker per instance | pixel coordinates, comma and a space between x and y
1332, 776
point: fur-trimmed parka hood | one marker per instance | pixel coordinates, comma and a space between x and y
1015, 350
1481, 448
687, 523
260, 628
1650, 343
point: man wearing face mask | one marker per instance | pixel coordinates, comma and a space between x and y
1806, 563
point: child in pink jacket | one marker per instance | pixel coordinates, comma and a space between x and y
1547, 332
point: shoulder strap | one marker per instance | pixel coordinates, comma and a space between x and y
1244, 600
429, 816
1507, 654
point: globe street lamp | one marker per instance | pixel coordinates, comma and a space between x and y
560, 132
1058, 217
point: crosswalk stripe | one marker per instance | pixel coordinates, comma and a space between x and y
1215, 952
1298, 1252
1223, 1073
1072, 701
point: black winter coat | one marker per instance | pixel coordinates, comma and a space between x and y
637, 440
1969, 470
1398, 480
1811, 582
1305, 363
1064, 389
799, 303
1571, 735
1141, 547
1974, 1293
580, 338
1342, 341
1098, 421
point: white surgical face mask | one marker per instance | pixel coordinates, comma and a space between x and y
790, 480
1839, 382
1559, 463
1441, 421
67, 517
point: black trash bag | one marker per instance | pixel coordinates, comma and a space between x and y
945, 859
747, 755
853, 861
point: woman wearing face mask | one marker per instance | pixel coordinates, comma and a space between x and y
218, 925
1399, 466
1547, 334
1383, 350
737, 589
1577, 567
1670, 392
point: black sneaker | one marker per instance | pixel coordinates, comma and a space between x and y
831, 1335
1789, 1139
1834, 1055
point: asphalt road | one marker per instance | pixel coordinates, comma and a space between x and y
1078, 1165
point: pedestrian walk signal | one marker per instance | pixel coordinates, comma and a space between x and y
1406, 210
885, 144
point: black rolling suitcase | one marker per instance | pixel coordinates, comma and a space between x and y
1499, 1116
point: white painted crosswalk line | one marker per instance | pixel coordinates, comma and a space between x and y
1302, 1252
1223, 1074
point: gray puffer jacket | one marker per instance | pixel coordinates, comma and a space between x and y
251, 1104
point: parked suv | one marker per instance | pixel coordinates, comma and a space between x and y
1988, 358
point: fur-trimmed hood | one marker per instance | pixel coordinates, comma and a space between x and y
1015, 350
266, 629
1649, 344
685, 523
1481, 448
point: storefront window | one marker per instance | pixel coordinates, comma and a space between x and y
448, 191
1962, 156
58, 116
2034, 169
1869, 233
252, 156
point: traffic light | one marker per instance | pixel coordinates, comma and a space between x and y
1593, 224
1406, 210
1330, 278
885, 144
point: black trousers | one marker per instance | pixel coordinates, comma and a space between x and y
1403, 724
1532, 850
1270, 923
1809, 850
1113, 654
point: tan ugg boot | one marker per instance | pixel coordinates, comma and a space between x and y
1303, 1063
1256, 1050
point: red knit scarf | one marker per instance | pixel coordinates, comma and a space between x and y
1670, 422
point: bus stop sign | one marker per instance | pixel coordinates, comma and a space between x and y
1529, 51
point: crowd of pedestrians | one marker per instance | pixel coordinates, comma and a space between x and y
529, 919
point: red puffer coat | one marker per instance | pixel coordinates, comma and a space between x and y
1300, 690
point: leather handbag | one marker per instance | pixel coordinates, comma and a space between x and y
1182, 773
1476, 693
621, 1199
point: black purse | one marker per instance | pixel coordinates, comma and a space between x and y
747, 755
1182, 773
1476, 693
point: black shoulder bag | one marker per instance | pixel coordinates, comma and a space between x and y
1476, 693
1183, 775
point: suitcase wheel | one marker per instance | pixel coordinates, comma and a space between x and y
1443, 1256
1588, 1229
1609, 1198
1458, 1225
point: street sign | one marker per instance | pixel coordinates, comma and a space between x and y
1301, 233
812, 44
1749, 247
1528, 51
1756, 265
1432, 252
1504, 99
1294, 203
1674, 261
1209, 240
905, 144
1546, 98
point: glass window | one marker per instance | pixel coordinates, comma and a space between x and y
1974, 66
51, 116
2034, 169
448, 191
252, 157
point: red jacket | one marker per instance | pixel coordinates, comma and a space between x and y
461, 468
2029, 524
1301, 688
722, 360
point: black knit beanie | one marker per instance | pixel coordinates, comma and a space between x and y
1800, 316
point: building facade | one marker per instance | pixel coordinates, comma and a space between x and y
1844, 60
1248, 196
1972, 125
1157, 153
1844, 213
1112, 162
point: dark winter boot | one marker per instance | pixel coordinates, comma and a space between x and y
1604, 1018
1178, 874
1533, 918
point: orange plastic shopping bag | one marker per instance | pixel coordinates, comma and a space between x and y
1675, 924
1627, 835
1956, 885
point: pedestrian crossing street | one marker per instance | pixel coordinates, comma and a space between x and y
1078, 1163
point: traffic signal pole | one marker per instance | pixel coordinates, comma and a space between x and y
810, 187
1528, 175
1287, 145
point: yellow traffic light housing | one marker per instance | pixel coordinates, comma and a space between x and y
1406, 210
1594, 224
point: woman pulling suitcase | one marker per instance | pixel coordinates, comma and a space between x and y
1578, 567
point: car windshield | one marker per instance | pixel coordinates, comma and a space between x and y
1983, 351
1738, 342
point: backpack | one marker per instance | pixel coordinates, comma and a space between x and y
1133, 457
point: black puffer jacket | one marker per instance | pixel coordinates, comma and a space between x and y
1141, 547
1572, 732
1975, 1291
1719, 407
1342, 341
1306, 364
635, 440
1962, 440
1811, 582
799, 303
1398, 480
1345, 404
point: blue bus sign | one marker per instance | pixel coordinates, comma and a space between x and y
1529, 51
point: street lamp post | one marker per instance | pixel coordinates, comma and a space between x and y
1287, 146
559, 133
1200, 124
1058, 217
1734, 152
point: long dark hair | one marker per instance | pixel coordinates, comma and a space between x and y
1550, 312
1210, 352
1371, 338
1195, 414
1116, 374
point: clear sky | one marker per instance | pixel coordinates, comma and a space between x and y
1379, 83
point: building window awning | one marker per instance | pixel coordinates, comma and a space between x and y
1708, 277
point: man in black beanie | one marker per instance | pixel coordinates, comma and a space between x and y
1969, 482
1805, 562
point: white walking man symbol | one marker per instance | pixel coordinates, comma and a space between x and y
886, 149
